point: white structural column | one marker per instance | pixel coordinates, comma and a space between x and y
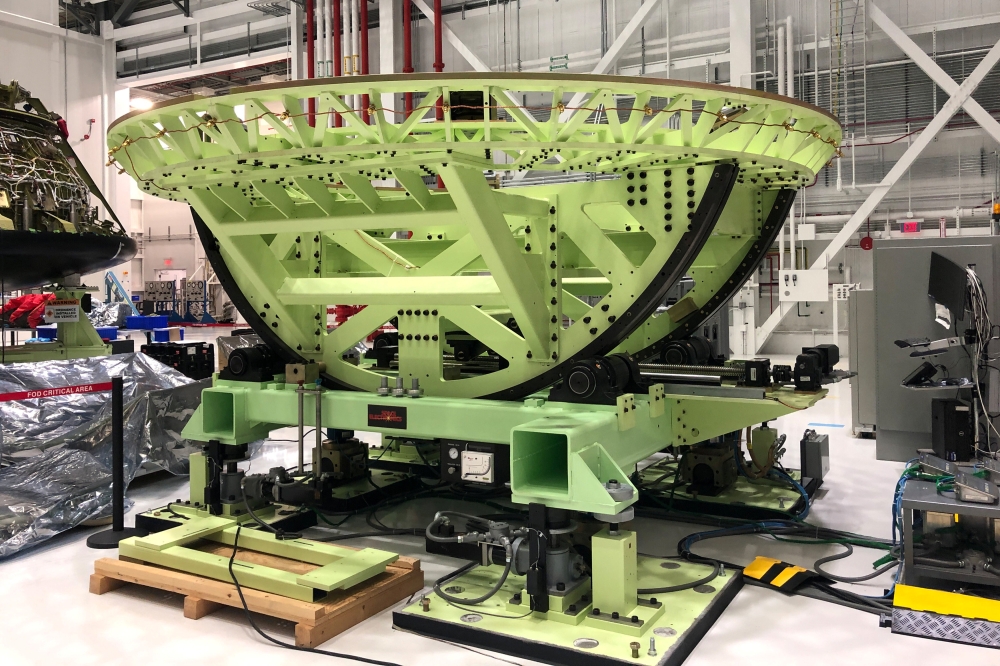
390, 58
781, 59
321, 55
296, 46
933, 70
345, 44
741, 43
355, 44
789, 58
954, 103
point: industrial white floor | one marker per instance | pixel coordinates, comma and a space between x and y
47, 615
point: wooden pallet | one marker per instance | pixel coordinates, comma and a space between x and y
315, 622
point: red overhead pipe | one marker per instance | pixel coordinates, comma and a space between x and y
408, 51
337, 49
438, 43
364, 57
311, 55
438, 61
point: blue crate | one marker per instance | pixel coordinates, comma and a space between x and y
163, 334
46, 332
108, 332
146, 323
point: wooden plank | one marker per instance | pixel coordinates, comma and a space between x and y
254, 557
195, 608
371, 600
211, 590
102, 584
316, 622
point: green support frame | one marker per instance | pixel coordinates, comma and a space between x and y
294, 212
339, 568
288, 207
561, 453
570, 632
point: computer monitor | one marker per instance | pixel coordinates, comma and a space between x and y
946, 285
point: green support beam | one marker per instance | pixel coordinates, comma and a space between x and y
562, 454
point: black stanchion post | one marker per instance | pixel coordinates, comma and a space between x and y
117, 455
118, 531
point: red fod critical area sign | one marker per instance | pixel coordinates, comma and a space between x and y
53, 392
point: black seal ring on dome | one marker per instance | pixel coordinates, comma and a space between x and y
768, 233
34, 258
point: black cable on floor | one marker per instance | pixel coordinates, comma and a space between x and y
818, 567
360, 535
820, 595
290, 646
685, 586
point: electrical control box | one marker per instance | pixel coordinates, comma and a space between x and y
814, 452
475, 462
477, 466
805, 285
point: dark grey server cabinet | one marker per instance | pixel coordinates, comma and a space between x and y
861, 350
903, 310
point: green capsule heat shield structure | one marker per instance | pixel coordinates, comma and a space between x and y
303, 211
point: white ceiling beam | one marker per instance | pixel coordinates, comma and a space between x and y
27, 23
950, 108
214, 67
172, 23
678, 64
933, 70
207, 37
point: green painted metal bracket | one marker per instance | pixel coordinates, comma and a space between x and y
256, 576
339, 568
348, 571
185, 533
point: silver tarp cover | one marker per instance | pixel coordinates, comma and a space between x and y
109, 314
227, 343
59, 448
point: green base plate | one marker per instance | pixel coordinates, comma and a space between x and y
578, 639
751, 500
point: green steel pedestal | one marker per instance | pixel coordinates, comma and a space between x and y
676, 620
